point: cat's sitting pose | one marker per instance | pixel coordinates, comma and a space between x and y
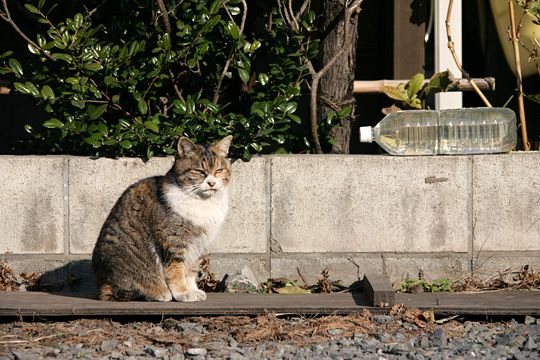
151, 242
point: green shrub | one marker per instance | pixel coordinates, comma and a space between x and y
116, 83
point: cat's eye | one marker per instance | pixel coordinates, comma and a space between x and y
200, 171
219, 170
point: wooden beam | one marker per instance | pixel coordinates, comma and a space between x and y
376, 86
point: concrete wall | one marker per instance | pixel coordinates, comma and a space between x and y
448, 215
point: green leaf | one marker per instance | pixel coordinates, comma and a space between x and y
233, 30
263, 78
33, 49
152, 126
53, 123
32, 88
234, 10
143, 106
94, 112
47, 92
31, 8
93, 66
244, 75
67, 58
78, 103
15, 66
72, 81
439, 82
414, 85
394, 93
126, 144
290, 107
115, 99
78, 20
295, 118
534, 97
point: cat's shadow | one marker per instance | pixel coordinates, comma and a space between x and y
75, 279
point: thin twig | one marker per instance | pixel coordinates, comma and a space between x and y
521, 105
175, 86
165, 15
91, 12
217, 92
6, 16
454, 55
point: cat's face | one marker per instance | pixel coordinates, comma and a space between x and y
202, 171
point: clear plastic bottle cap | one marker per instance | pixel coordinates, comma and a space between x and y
366, 135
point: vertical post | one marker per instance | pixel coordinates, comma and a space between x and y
409, 31
443, 57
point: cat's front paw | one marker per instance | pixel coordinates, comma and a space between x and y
190, 296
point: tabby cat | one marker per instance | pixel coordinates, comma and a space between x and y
151, 243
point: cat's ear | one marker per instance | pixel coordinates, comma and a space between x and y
186, 148
221, 148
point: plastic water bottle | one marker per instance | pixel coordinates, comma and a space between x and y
458, 131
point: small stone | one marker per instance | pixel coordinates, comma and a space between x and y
529, 320
530, 344
135, 352
155, 351
382, 319
115, 355
233, 343
177, 356
438, 337
187, 327
108, 345
241, 282
335, 332
197, 351
23, 355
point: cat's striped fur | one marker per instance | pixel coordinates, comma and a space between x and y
150, 244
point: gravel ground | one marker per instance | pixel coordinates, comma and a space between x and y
405, 334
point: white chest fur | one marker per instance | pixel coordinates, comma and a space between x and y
207, 214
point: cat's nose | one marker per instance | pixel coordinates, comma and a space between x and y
211, 182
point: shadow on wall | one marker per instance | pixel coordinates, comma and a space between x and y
75, 278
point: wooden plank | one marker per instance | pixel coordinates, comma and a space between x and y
38, 304
379, 290
44, 304
487, 303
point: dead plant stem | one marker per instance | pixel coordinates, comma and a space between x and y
521, 105
454, 55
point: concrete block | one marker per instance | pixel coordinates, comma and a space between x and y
488, 264
368, 203
221, 264
433, 266
348, 269
31, 264
94, 187
31, 204
507, 202
246, 227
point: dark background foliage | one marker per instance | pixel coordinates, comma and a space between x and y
114, 80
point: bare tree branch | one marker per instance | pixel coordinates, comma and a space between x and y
165, 15
6, 16
454, 55
350, 8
